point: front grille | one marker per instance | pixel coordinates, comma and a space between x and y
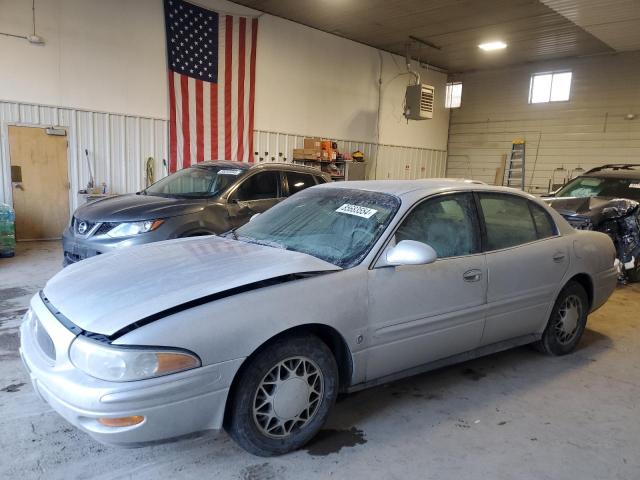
44, 340
580, 223
106, 227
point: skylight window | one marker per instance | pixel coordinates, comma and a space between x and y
550, 87
453, 95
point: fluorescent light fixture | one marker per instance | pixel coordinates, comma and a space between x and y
492, 46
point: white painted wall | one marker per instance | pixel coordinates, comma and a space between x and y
110, 56
588, 130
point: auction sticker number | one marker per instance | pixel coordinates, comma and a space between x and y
356, 210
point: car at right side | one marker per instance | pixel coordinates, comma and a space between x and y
607, 199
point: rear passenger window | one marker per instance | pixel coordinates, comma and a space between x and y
299, 181
508, 221
448, 224
261, 186
544, 224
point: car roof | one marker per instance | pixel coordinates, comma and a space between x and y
223, 163
260, 166
402, 187
628, 174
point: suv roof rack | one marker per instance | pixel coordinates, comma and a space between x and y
615, 166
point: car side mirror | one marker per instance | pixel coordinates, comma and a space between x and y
410, 252
253, 217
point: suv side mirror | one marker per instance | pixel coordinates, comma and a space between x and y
410, 252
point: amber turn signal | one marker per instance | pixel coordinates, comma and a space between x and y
121, 421
175, 362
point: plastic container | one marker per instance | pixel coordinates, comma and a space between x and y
7, 231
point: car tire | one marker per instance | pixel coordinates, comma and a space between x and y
567, 321
633, 275
283, 396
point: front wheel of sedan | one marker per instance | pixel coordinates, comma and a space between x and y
283, 396
567, 322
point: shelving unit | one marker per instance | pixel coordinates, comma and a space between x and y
349, 170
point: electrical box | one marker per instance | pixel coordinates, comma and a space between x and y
419, 102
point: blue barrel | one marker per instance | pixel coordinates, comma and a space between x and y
7, 231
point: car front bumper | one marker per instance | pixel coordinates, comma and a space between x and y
172, 406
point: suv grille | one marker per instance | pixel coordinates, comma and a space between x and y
106, 227
44, 340
579, 223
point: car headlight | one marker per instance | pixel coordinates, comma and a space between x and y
130, 229
124, 364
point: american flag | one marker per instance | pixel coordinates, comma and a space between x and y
212, 66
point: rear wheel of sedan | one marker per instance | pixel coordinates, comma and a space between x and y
567, 322
283, 396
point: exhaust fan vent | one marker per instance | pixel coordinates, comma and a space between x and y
419, 102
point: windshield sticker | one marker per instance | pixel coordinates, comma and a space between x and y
634, 185
234, 171
356, 210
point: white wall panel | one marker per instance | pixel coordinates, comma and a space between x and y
118, 145
393, 162
588, 130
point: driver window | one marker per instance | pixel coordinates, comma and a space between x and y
447, 223
261, 186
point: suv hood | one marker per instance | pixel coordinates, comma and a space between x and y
134, 207
106, 293
596, 209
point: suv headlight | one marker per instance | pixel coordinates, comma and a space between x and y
125, 364
130, 229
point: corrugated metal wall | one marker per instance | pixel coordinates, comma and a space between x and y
118, 145
393, 162
590, 129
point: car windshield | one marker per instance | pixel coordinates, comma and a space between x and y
601, 187
337, 225
196, 181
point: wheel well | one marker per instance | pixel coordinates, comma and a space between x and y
586, 282
329, 335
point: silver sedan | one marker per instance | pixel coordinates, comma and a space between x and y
340, 287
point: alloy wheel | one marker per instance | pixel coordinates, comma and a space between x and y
568, 322
288, 397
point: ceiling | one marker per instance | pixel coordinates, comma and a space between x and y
534, 30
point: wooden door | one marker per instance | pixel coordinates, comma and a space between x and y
40, 183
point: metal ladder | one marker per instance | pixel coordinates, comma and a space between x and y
514, 173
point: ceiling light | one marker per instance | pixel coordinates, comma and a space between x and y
492, 46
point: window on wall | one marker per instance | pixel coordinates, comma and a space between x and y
550, 87
453, 95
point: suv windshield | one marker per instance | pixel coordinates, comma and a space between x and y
601, 187
337, 225
196, 181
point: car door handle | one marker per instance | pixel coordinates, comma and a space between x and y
472, 275
558, 257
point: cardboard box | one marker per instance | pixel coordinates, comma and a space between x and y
313, 142
298, 153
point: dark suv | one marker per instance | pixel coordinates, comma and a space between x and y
607, 199
207, 198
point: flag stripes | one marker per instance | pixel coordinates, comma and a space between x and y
210, 120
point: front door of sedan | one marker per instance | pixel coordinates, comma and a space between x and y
526, 261
422, 313
256, 194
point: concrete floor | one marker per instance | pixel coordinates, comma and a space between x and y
517, 414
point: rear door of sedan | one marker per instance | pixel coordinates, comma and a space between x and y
421, 313
526, 262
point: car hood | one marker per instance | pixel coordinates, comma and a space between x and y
132, 207
106, 293
595, 209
